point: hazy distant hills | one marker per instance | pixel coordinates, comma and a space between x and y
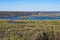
28, 13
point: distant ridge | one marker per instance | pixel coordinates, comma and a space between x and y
27, 13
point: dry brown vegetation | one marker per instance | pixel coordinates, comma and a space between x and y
29, 30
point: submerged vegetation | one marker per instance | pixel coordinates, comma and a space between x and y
30, 30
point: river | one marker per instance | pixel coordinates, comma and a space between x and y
31, 18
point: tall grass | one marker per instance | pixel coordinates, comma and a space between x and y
29, 30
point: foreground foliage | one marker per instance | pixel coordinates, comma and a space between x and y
29, 30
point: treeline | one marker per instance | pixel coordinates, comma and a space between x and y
27, 13
17, 13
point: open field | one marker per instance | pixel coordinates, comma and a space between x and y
29, 30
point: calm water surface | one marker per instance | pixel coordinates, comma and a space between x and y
31, 18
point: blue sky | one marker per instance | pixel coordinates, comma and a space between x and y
29, 5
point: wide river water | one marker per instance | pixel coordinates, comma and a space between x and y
31, 18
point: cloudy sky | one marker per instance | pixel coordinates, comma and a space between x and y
29, 5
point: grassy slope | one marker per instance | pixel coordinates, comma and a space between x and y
29, 30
